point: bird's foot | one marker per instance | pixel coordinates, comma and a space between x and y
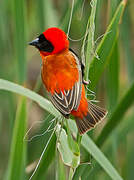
86, 82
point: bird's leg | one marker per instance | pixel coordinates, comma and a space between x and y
86, 82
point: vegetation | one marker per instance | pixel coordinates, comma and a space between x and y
36, 141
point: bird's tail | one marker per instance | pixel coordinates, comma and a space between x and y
94, 115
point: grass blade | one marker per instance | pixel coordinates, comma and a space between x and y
46, 160
41, 19
113, 78
112, 94
90, 146
130, 160
90, 45
125, 128
20, 38
37, 168
113, 66
63, 147
80, 170
126, 40
117, 115
105, 46
44, 103
18, 146
112, 7
61, 171
65, 20
92, 149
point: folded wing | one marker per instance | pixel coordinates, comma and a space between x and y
68, 100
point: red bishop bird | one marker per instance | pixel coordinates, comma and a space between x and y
62, 74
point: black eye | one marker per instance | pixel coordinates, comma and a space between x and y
44, 44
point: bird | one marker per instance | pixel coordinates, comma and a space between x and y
62, 74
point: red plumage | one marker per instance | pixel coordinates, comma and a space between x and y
58, 40
62, 77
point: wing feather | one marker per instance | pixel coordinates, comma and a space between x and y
69, 100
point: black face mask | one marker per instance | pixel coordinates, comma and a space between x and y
42, 44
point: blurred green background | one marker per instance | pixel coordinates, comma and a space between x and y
22, 21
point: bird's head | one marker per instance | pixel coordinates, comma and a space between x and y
51, 41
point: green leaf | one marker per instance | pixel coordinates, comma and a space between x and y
113, 78
104, 48
20, 38
113, 67
46, 159
80, 170
18, 146
90, 44
126, 39
40, 13
112, 93
44, 103
113, 5
61, 171
91, 147
63, 147
72, 144
69, 157
129, 161
126, 127
40, 138
117, 115
39, 167
65, 21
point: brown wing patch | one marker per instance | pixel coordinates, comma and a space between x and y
62, 77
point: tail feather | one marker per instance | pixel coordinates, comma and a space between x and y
96, 111
94, 115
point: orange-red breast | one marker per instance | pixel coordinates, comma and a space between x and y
62, 75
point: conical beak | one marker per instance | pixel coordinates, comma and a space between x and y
35, 42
